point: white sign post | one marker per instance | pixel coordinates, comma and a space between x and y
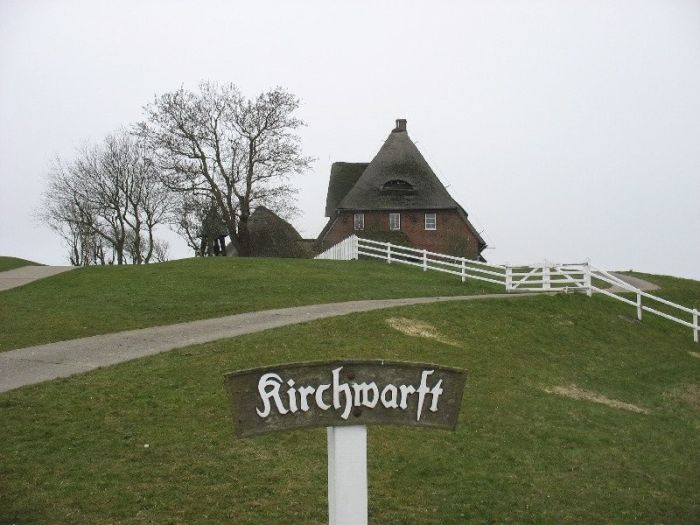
347, 475
345, 397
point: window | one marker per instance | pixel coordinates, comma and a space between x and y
394, 221
397, 185
430, 221
359, 221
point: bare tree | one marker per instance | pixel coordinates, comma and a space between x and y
240, 152
84, 247
189, 216
108, 198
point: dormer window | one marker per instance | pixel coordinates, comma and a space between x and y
397, 185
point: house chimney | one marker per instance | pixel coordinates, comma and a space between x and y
400, 124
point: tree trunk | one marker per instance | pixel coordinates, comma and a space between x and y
243, 236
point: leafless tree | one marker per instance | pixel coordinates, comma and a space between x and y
84, 247
109, 198
240, 152
189, 215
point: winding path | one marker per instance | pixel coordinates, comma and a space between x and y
27, 274
35, 364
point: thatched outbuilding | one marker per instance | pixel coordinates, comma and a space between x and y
272, 236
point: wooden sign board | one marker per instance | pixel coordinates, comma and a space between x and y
343, 393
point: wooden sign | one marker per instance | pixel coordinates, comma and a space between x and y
343, 393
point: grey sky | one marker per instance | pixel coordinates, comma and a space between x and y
567, 130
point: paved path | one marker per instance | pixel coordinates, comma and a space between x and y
27, 274
26, 366
634, 281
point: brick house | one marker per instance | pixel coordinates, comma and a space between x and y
397, 198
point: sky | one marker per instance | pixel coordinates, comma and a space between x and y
567, 130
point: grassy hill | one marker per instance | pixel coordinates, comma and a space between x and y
574, 412
97, 300
10, 263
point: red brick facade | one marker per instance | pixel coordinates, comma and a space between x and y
451, 235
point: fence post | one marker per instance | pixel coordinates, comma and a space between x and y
639, 306
587, 277
696, 328
388, 253
425, 260
464, 270
545, 276
355, 247
509, 277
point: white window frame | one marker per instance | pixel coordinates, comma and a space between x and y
432, 216
395, 222
358, 222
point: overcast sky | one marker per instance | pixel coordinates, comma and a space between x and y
567, 130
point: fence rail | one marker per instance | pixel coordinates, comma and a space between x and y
543, 277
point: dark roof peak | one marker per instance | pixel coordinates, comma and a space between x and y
397, 160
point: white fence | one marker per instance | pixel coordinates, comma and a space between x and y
542, 277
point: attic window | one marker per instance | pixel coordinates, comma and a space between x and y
397, 185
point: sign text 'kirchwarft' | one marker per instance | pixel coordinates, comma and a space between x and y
299, 395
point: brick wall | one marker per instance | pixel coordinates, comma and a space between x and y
451, 236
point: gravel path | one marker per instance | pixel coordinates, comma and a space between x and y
27, 274
35, 364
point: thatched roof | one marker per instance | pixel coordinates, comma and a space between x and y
272, 236
398, 178
344, 175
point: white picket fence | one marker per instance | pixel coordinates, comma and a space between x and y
542, 277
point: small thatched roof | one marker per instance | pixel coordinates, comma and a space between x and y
344, 175
272, 236
398, 178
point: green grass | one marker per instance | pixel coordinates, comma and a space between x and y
97, 300
10, 263
676, 289
73, 450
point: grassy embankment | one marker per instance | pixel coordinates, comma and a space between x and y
74, 451
10, 263
97, 300
681, 291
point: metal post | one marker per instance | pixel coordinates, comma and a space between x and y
425, 260
347, 475
388, 252
639, 306
696, 328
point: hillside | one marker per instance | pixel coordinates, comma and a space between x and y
96, 300
574, 412
10, 263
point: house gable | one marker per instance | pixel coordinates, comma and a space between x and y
397, 180
344, 176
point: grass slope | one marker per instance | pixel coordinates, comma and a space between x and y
97, 300
73, 451
10, 263
676, 289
